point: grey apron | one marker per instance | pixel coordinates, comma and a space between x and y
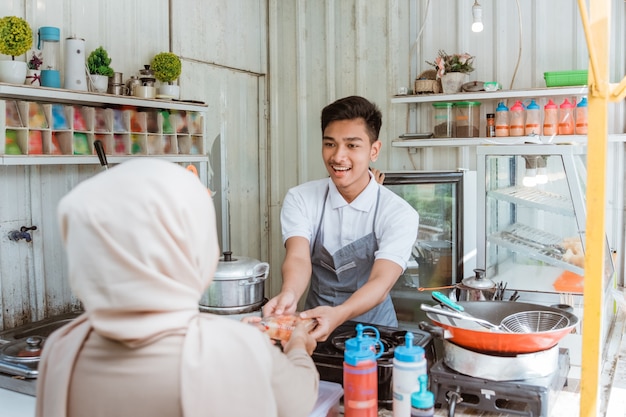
336, 277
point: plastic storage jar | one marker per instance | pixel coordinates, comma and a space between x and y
443, 120
467, 119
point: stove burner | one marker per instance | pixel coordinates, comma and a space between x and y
529, 397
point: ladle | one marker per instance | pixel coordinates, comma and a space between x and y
462, 316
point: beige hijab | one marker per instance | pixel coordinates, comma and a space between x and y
142, 247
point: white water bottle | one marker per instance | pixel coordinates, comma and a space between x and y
409, 362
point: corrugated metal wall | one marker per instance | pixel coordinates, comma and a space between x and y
266, 68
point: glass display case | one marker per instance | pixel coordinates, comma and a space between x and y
532, 220
445, 201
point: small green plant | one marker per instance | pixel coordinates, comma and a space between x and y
98, 62
16, 36
166, 66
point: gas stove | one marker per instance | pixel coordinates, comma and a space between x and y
328, 355
527, 397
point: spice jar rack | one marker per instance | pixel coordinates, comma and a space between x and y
58, 126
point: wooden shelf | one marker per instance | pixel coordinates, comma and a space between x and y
494, 95
459, 142
59, 95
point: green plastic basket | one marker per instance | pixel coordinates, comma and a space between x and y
565, 78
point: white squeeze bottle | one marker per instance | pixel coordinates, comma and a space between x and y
409, 362
533, 119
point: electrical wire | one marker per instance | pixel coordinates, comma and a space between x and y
411, 50
519, 55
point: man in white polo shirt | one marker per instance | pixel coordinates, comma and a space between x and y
346, 235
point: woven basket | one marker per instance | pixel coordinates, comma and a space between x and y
427, 82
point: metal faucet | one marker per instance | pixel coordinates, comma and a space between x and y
22, 234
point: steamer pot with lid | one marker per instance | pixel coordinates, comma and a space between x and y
239, 281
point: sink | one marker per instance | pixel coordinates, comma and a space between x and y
38, 328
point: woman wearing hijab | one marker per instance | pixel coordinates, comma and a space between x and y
142, 247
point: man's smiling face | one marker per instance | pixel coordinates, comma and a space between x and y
347, 152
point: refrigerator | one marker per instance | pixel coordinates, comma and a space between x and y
445, 248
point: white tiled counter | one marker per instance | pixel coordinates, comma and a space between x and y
14, 404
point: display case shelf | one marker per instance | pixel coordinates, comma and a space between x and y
536, 198
535, 244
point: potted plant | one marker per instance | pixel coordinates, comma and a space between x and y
98, 65
33, 73
167, 68
452, 70
16, 37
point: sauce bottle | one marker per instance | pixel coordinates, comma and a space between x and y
409, 362
516, 119
566, 118
581, 117
360, 374
423, 401
550, 118
502, 120
491, 125
533, 119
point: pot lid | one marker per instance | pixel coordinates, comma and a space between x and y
473, 86
478, 281
26, 350
231, 267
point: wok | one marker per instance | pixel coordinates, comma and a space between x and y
472, 335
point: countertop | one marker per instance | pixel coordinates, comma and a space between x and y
14, 404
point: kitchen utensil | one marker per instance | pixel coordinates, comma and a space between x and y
471, 335
101, 155
534, 321
461, 316
48, 38
239, 281
476, 288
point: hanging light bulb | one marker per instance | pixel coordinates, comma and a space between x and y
542, 170
530, 176
477, 14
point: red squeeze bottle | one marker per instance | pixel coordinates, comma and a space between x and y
360, 374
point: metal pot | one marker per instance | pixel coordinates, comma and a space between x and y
239, 281
476, 288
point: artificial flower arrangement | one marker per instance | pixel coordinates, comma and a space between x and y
16, 36
445, 63
35, 61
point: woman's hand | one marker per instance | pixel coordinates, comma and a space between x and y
301, 338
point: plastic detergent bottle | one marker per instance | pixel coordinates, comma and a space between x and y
502, 120
423, 401
516, 119
409, 362
581, 117
550, 118
360, 374
566, 118
533, 119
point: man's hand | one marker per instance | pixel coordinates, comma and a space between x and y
328, 319
285, 302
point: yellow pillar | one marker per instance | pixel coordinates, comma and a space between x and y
597, 32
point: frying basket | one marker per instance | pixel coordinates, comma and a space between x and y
534, 321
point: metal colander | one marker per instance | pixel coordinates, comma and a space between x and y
534, 321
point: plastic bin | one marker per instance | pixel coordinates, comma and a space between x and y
327, 404
467, 119
443, 120
565, 78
